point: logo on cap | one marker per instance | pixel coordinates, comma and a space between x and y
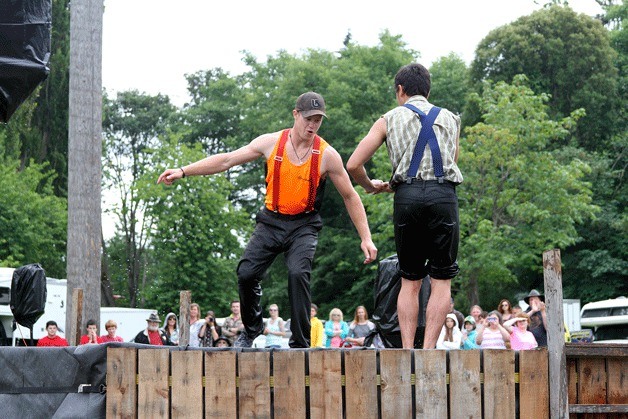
315, 103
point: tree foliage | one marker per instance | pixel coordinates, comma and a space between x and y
196, 239
33, 220
518, 198
450, 83
132, 125
564, 54
50, 119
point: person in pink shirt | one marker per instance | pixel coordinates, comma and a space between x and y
111, 327
520, 337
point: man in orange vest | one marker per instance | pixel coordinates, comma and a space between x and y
298, 164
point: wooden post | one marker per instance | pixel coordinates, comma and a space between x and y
552, 274
185, 298
77, 317
84, 158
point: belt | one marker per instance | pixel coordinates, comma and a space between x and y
289, 217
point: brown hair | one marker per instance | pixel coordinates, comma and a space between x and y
355, 316
501, 310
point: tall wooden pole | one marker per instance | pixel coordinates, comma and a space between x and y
84, 158
552, 273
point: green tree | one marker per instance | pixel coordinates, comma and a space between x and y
518, 198
197, 235
33, 220
565, 54
450, 83
132, 124
51, 115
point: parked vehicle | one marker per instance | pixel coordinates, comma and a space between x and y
130, 320
608, 319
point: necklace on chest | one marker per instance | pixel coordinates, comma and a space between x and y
301, 158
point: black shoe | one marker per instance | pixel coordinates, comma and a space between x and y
243, 341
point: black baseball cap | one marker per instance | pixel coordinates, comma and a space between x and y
310, 103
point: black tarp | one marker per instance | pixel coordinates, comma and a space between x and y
386, 291
24, 50
28, 294
44, 382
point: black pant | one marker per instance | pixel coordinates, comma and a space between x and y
427, 229
296, 237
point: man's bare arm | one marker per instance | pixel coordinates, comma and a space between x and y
221, 162
363, 153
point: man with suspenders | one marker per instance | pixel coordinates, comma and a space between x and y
423, 145
298, 164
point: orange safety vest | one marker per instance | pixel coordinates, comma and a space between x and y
291, 189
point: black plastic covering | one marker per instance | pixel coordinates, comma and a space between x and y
28, 294
386, 291
24, 50
45, 382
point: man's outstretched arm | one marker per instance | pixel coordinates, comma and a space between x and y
219, 163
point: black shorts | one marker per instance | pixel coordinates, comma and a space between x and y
427, 230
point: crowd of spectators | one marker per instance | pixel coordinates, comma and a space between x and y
506, 327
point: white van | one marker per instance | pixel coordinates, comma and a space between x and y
608, 319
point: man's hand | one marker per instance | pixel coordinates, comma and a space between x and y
379, 186
370, 251
169, 176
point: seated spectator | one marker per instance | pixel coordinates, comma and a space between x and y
275, 328
450, 336
210, 331
359, 327
520, 338
475, 313
491, 334
505, 309
469, 333
171, 328
152, 335
111, 327
317, 333
222, 343
336, 329
92, 333
52, 339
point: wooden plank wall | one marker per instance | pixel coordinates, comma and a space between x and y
329, 383
597, 381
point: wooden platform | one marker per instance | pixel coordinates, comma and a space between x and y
326, 383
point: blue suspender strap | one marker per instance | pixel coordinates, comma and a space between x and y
426, 136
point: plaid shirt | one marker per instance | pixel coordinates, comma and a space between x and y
402, 132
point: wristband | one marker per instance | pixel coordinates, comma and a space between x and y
182, 171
